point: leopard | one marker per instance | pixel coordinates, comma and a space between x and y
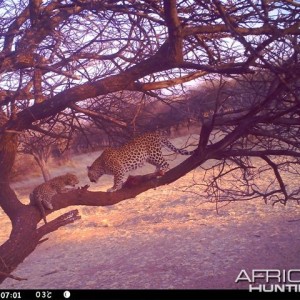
42, 195
119, 161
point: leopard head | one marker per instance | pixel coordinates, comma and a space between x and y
94, 174
71, 179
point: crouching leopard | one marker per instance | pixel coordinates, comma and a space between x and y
119, 161
42, 195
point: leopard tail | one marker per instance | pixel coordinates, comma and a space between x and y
176, 150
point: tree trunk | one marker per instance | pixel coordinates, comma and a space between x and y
45, 170
43, 166
8, 148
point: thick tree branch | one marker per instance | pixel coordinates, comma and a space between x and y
174, 31
167, 83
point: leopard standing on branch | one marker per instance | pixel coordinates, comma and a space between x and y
119, 161
42, 195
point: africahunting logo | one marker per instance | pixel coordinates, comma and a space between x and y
271, 280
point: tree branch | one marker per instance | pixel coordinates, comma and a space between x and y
278, 176
94, 114
12, 276
63, 220
256, 153
245, 31
167, 83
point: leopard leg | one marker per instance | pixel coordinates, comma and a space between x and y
161, 166
42, 210
119, 179
47, 204
159, 162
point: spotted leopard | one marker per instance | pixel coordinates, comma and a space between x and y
42, 195
119, 161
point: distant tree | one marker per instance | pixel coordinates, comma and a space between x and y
56, 56
42, 146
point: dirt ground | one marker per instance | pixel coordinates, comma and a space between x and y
163, 239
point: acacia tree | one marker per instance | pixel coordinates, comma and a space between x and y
56, 54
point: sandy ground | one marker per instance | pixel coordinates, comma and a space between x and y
162, 239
